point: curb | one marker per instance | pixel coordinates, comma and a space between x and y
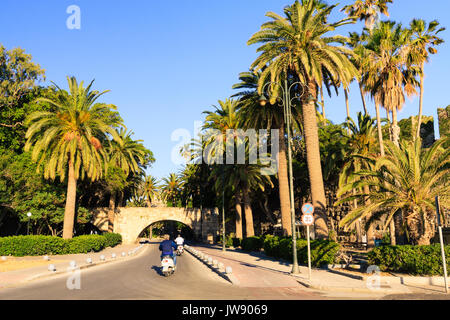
349, 289
227, 276
82, 267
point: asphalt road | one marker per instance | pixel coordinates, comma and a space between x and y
140, 279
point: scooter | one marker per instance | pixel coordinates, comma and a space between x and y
167, 266
180, 250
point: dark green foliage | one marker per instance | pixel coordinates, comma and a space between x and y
323, 252
252, 243
20, 246
415, 260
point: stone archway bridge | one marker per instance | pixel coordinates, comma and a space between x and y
131, 221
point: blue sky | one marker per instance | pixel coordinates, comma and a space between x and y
167, 61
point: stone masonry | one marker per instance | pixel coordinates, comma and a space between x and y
130, 222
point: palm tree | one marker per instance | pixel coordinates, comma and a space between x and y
151, 189
171, 188
255, 116
362, 143
300, 45
69, 139
388, 77
367, 10
128, 156
424, 41
408, 179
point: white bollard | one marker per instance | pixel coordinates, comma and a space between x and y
215, 263
220, 265
123, 254
4, 258
228, 270
210, 260
89, 260
113, 256
51, 268
102, 257
73, 264
46, 258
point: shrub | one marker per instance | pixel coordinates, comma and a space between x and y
416, 260
112, 239
20, 246
252, 243
323, 252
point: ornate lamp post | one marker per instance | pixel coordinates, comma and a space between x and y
287, 103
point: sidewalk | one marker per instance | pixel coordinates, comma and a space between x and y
63, 262
257, 270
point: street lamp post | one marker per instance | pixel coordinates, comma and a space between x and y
287, 103
29, 218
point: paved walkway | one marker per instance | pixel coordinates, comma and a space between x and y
255, 269
62, 263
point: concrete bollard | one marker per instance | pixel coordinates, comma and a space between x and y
89, 260
210, 261
51, 268
123, 254
46, 258
102, 257
220, 266
228, 270
215, 263
4, 258
73, 264
113, 255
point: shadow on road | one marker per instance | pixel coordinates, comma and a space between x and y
158, 270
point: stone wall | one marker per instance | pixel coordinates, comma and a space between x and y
130, 222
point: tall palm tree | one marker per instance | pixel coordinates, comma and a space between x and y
300, 45
128, 156
362, 143
408, 179
150, 189
388, 77
255, 116
368, 10
68, 140
171, 188
424, 41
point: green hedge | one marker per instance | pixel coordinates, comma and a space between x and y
323, 252
252, 243
20, 246
415, 260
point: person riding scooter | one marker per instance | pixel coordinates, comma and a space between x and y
180, 243
166, 247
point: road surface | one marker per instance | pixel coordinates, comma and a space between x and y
140, 279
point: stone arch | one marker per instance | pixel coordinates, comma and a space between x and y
129, 222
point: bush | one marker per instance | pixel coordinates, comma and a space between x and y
20, 246
416, 260
112, 239
252, 243
323, 252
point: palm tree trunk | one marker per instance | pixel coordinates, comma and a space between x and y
69, 213
362, 98
392, 232
111, 211
322, 102
380, 132
249, 227
395, 128
238, 217
347, 107
284, 184
420, 102
370, 230
314, 166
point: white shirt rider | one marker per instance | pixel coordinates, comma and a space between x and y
179, 241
